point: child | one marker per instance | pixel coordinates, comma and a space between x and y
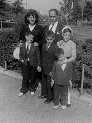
69, 48
30, 57
47, 60
60, 78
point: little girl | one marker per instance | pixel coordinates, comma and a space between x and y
60, 78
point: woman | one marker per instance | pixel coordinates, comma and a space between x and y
69, 48
31, 24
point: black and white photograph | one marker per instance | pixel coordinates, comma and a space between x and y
45, 61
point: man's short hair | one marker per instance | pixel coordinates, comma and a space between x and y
54, 10
49, 33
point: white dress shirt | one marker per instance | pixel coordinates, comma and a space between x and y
28, 48
54, 26
31, 27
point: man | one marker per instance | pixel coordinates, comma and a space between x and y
55, 25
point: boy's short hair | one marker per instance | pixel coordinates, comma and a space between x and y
29, 33
49, 34
59, 52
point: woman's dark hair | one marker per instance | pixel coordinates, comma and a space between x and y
33, 13
59, 51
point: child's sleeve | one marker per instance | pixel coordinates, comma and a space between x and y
53, 71
38, 56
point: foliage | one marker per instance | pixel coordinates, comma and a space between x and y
76, 11
18, 7
84, 56
8, 41
88, 11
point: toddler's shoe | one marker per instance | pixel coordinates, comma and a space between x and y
32, 94
56, 106
20, 94
63, 107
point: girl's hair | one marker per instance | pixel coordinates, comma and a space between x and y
59, 52
33, 13
67, 30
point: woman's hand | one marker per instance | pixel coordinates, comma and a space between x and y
36, 44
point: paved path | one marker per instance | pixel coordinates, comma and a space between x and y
27, 109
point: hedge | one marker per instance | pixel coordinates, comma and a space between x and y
9, 40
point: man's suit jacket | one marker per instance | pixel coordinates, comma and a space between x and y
47, 57
38, 32
58, 31
34, 55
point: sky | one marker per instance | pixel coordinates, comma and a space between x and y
42, 6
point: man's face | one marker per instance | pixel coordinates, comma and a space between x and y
53, 16
29, 39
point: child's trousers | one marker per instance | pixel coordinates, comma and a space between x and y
60, 94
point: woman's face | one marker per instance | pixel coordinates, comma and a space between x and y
31, 19
66, 36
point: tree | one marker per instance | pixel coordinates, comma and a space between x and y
66, 8
82, 4
76, 13
18, 7
3, 5
88, 11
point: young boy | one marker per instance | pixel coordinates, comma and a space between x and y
47, 60
30, 57
60, 78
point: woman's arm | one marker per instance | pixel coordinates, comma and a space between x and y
73, 57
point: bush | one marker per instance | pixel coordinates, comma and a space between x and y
8, 42
84, 56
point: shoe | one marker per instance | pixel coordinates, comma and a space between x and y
32, 94
63, 107
55, 107
48, 101
68, 105
20, 94
42, 97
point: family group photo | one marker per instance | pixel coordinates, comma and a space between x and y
46, 61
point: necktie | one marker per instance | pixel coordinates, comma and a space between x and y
52, 26
27, 48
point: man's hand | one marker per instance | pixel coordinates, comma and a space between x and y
39, 69
22, 61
